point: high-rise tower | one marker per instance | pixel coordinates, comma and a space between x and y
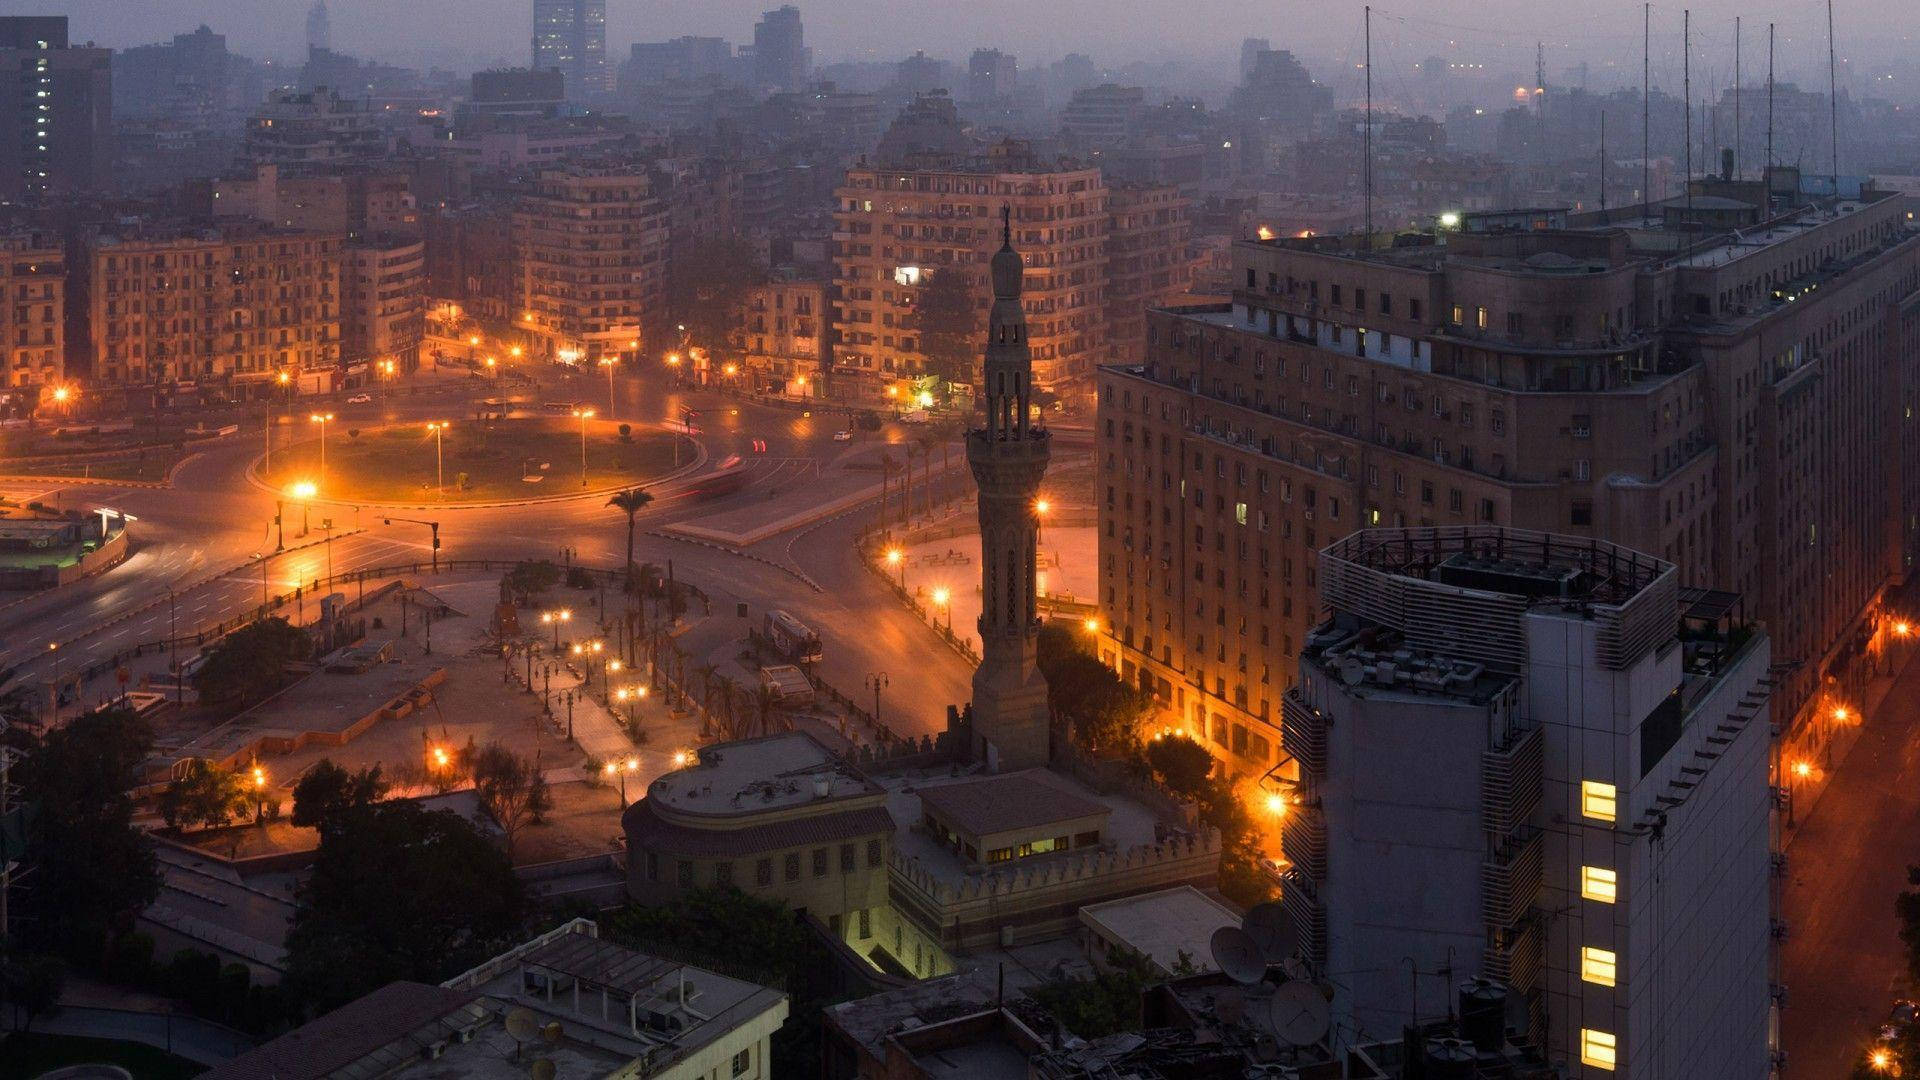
571, 35
319, 27
1009, 458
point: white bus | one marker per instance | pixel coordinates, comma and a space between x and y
792, 638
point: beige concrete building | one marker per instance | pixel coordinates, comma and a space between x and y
593, 246
383, 303
34, 287
1148, 231
327, 199
782, 335
1718, 399
234, 305
893, 227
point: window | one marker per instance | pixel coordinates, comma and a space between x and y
874, 857
1598, 883
846, 858
763, 872
866, 924
1598, 800
723, 873
743, 1061
793, 867
1598, 966
1582, 512
820, 862
1000, 855
1600, 1049
685, 874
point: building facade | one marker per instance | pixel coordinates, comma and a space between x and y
233, 306
1148, 232
570, 36
316, 127
783, 335
1536, 759
33, 288
781, 59
56, 111
383, 302
893, 224
1715, 403
592, 245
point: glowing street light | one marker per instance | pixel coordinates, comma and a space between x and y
898, 558
1841, 714
584, 415
610, 362
1277, 805
259, 794
1880, 1059
1802, 769
322, 419
303, 491
621, 768
438, 427
945, 599
554, 619
1902, 629
1092, 626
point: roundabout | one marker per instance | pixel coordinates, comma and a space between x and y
474, 462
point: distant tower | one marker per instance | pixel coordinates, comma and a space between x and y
1009, 458
319, 27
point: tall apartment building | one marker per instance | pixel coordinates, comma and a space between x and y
570, 36
33, 296
230, 306
782, 336
1537, 759
592, 243
992, 75
56, 111
316, 127
1148, 230
383, 302
473, 261
895, 225
781, 59
1720, 400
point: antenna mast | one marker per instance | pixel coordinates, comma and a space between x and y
1603, 161
1833, 104
1646, 106
1769, 107
1739, 92
1686, 90
1367, 138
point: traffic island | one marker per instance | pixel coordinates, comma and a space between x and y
474, 461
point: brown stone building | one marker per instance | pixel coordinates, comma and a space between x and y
1721, 399
592, 246
230, 306
33, 286
782, 335
896, 226
383, 290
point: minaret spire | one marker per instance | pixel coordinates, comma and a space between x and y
1008, 455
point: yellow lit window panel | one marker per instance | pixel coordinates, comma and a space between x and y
1598, 800
1598, 966
1599, 883
1600, 1049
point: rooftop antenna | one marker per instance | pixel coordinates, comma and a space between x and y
1686, 84
1366, 152
1833, 104
1646, 108
1603, 161
1739, 92
1769, 106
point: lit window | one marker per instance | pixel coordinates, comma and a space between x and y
1598, 800
1600, 1049
1598, 966
1599, 884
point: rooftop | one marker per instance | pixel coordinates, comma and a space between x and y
754, 776
393, 1022
1162, 925
998, 804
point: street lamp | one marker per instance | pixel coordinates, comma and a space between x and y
944, 599
322, 419
609, 362
1092, 626
876, 682
259, 795
584, 416
438, 427
898, 558
1040, 508
623, 768
303, 491
554, 619
1277, 805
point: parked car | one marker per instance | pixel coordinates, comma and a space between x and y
915, 416
843, 435
360, 399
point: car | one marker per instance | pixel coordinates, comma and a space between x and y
843, 435
1275, 869
360, 399
915, 416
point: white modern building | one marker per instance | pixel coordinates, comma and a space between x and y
1536, 759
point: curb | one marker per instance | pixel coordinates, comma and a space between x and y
93, 481
795, 572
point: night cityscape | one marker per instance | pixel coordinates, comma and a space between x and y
570, 539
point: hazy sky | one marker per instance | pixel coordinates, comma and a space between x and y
1497, 32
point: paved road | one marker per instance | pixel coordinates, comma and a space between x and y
1843, 960
201, 539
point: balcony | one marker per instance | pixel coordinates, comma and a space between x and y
1510, 877
1308, 915
1304, 841
1303, 733
1511, 784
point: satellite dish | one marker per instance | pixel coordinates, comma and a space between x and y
522, 1024
1298, 1014
1270, 928
543, 1069
552, 1032
1236, 955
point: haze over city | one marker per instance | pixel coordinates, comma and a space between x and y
745, 540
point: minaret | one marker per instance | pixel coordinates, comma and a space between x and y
1009, 457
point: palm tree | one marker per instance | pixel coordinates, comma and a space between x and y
632, 500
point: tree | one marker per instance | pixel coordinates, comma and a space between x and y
92, 870
512, 789
632, 501
1103, 712
1104, 1004
33, 984
251, 662
707, 286
529, 579
204, 794
946, 320
1181, 763
329, 791
399, 892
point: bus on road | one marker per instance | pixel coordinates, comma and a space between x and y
792, 638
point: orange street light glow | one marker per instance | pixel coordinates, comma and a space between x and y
680, 759
440, 758
894, 555
1092, 625
1841, 714
304, 489
1276, 805
1802, 769
1041, 506
474, 341
941, 596
1902, 628
1880, 1059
